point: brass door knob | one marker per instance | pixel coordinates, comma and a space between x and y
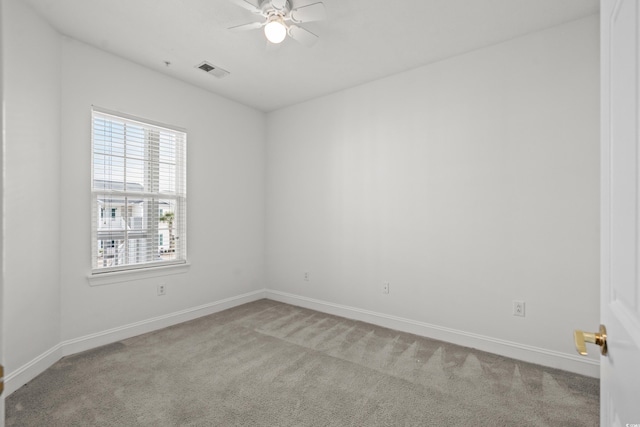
581, 338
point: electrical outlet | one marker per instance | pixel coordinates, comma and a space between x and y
385, 288
162, 289
306, 277
518, 308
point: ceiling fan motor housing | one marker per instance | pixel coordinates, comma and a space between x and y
275, 7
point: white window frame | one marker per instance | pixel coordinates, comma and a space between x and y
116, 273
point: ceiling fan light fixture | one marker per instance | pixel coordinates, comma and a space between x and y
275, 31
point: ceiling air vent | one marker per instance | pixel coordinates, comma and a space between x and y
213, 69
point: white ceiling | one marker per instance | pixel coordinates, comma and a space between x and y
361, 40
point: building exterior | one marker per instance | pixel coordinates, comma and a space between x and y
125, 234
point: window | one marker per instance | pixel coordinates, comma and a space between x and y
139, 178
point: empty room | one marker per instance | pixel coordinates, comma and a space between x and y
320, 212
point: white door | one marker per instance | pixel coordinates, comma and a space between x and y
1, 218
620, 221
1, 213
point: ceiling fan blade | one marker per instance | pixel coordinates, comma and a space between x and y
249, 5
302, 36
245, 27
278, 4
312, 12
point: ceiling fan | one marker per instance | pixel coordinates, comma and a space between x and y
281, 19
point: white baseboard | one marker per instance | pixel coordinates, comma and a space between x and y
109, 336
540, 356
29, 371
16, 379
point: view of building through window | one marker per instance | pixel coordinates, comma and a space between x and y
139, 194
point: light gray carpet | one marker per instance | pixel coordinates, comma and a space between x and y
273, 364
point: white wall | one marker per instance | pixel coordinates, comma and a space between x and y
466, 184
225, 185
31, 72
49, 308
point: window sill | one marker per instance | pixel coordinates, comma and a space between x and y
130, 275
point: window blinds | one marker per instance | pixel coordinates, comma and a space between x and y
139, 195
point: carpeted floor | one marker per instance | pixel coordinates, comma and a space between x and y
273, 364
